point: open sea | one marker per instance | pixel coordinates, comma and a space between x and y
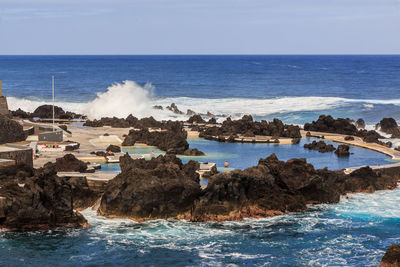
295, 89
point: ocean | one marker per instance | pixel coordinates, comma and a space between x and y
295, 89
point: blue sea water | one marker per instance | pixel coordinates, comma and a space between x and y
296, 89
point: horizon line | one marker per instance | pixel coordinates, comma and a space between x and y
333, 54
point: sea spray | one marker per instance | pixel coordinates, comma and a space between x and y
122, 99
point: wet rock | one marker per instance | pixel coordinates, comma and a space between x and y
193, 152
83, 196
34, 199
190, 112
342, 151
160, 188
158, 107
349, 138
10, 131
196, 119
113, 148
274, 187
360, 123
320, 146
296, 141
391, 257
174, 109
389, 126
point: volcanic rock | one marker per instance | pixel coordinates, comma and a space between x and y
391, 257
33, 199
331, 125
174, 109
193, 152
360, 123
196, 119
10, 131
320, 146
160, 188
389, 126
19, 113
68, 163
113, 148
342, 151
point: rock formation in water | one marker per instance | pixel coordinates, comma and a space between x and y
391, 257
193, 152
247, 127
32, 199
360, 123
274, 187
10, 131
389, 126
160, 188
196, 119
174, 109
343, 151
320, 146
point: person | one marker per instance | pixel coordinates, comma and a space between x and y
226, 164
152, 154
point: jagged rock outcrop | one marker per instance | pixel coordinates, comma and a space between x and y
10, 131
46, 112
247, 127
320, 146
360, 123
33, 199
68, 163
19, 113
330, 125
274, 187
391, 257
196, 119
343, 151
174, 109
160, 188
83, 196
389, 126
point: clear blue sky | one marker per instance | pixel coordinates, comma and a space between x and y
200, 27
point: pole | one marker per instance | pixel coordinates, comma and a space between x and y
52, 83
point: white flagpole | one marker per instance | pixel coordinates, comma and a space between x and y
52, 82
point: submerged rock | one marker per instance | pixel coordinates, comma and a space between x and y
32, 199
391, 257
10, 131
320, 146
160, 188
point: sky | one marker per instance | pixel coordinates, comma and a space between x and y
199, 27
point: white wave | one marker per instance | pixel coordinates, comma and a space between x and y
122, 99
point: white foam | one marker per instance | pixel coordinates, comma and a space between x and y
122, 99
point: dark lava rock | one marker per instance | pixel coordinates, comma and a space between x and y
296, 141
34, 199
389, 126
274, 187
160, 188
19, 113
360, 123
46, 112
170, 141
371, 137
212, 121
391, 257
320, 146
10, 131
99, 153
343, 151
211, 172
190, 112
83, 196
113, 148
349, 138
196, 119
246, 126
331, 125
193, 152
68, 163
174, 109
